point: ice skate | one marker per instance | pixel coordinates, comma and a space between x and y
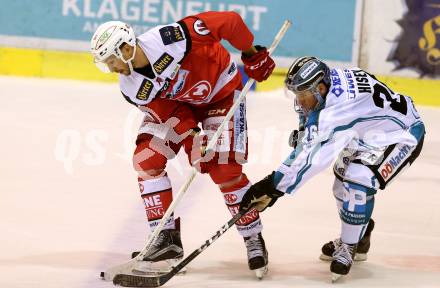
362, 247
163, 254
342, 260
257, 255
328, 249
364, 244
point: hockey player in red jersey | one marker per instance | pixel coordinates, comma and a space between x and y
180, 75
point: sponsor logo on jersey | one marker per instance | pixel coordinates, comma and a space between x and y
180, 82
171, 34
176, 85
162, 63
145, 90
166, 85
350, 84
175, 71
201, 28
309, 69
394, 161
336, 83
196, 94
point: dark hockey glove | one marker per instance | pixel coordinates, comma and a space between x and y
295, 136
258, 66
261, 195
293, 139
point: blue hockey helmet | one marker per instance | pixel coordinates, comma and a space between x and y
305, 74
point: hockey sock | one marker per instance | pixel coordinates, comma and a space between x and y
357, 207
157, 196
250, 223
338, 192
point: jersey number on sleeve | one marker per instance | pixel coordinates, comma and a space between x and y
397, 105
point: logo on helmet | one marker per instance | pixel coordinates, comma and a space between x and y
104, 37
308, 69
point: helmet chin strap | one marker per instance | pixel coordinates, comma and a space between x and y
318, 97
130, 66
129, 61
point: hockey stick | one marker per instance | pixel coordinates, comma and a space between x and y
130, 280
126, 268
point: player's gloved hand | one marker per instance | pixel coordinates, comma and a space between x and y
295, 136
258, 66
261, 195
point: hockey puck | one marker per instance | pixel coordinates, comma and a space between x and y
102, 275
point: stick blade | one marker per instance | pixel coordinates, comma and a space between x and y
127, 280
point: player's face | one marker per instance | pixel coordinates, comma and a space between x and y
306, 100
117, 65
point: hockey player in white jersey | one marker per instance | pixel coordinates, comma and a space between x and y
373, 132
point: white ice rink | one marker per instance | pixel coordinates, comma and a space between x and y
70, 204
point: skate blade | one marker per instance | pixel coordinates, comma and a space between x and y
335, 277
324, 257
261, 272
357, 257
360, 257
147, 268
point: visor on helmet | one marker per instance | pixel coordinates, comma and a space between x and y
102, 66
309, 84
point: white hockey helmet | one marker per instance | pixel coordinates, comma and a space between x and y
107, 41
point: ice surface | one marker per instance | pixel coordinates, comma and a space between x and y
70, 205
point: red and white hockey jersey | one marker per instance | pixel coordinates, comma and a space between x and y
188, 61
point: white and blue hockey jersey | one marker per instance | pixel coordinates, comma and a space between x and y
359, 112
